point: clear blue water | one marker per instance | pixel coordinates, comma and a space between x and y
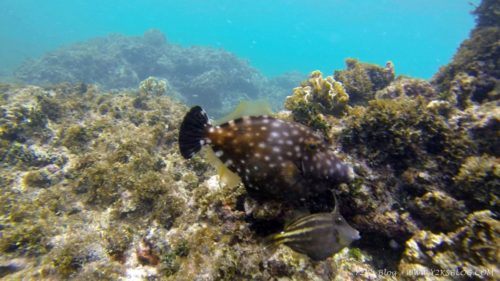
276, 36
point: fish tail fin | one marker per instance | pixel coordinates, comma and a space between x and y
192, 132
272, 241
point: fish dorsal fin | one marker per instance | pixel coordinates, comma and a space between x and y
297, 214
226, 177
247, 108
336, 202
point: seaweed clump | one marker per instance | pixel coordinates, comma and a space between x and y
479, 179
315, 98
404, 133
362, 80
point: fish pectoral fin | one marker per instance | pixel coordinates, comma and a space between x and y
226, 176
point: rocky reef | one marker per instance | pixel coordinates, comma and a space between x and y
213, 78
93, 186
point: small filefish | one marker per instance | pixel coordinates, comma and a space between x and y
318, 235
274, 158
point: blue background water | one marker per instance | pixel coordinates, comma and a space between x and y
275, 36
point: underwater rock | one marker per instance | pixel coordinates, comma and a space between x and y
153, 86
483, 122
470, 252
440, 211
406, 87
212, 77
12, 266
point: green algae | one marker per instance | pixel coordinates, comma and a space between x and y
479, 179
28, 237
170, 262
67, 260
440, 210
356, 253
118, 239
403, 133
25, 228
36, 179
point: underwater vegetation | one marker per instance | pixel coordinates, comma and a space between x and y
200, 75
94, 187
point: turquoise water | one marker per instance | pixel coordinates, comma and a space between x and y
275, 36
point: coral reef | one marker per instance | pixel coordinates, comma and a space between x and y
112, 199
210, 77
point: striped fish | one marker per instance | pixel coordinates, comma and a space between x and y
318, 235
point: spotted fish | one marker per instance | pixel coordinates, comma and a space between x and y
319, 235
274, 158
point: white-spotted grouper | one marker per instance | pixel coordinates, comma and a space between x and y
273, 158
318, 235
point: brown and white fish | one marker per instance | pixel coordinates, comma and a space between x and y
273, 158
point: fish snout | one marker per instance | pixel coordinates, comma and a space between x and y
355, 235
